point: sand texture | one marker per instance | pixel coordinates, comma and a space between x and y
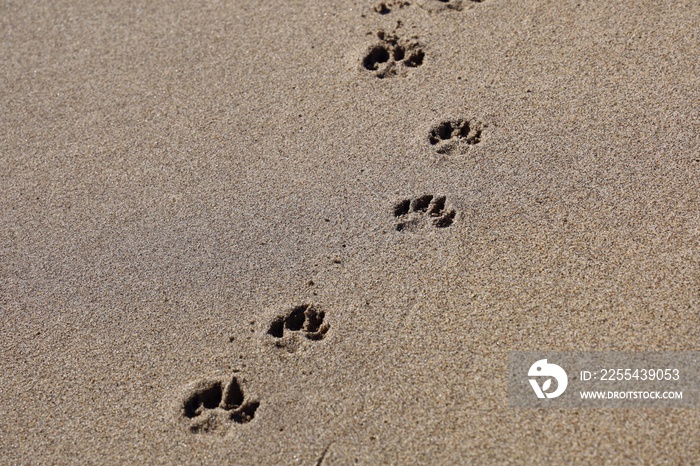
310, 232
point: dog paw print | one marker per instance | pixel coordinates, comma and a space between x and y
384, 8
439, 5
411, 213
392, 56
455, 135
213, 406
305, 319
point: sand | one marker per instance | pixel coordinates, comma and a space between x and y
177, 177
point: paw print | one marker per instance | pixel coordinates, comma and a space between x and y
455, 135
384, 8
305, 318
439, 5
213, 405
411, 213
392, 56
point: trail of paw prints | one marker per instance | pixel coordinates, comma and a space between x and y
304, 320
211, 406
412, 213
392, 56
453, 136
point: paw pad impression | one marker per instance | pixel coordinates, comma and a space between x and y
212, 405
439, 5
305, 318
392, 56
384, 8
412, 212
455, 135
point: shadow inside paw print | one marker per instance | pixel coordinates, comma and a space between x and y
455, 135
411, 213
392, 56
305, 318
213, 405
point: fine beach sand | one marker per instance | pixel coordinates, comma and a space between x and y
176, 177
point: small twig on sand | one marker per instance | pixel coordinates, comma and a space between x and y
320, 459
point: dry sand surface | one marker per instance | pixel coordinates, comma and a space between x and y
218, 245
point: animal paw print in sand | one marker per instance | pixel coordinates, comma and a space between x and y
305, 319
455, 135
392, 56
384, 8
439, 5
213, 405
413, 212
